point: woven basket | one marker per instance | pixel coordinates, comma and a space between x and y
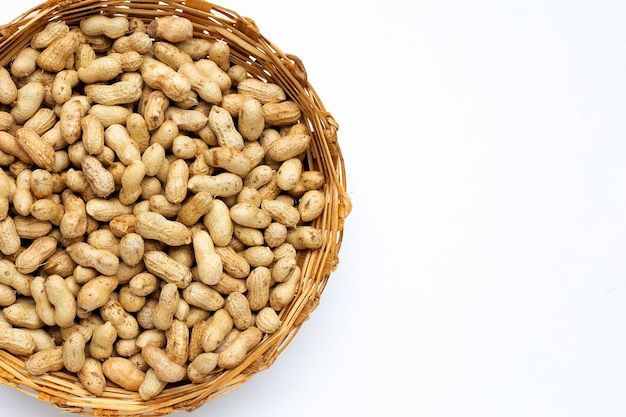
263, 60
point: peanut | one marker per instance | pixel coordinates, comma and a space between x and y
62, 299
165, 369
236, 353
123, 372
171, 28
92, 377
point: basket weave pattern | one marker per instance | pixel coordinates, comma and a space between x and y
266, 61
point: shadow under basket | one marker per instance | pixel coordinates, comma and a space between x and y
263, 60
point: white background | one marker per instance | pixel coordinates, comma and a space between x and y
483, 269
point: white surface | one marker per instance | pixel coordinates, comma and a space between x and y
482, 272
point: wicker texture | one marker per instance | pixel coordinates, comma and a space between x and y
264, 60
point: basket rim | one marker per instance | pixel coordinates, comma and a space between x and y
264, 60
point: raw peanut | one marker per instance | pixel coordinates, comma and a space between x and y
98, 177
225, 184
43, 339
234, 263
197, 167
170, 55
101, 260
123, 372
229, 159
102, 340
153, 158
138, 131
92, 134
47, 360
163, 316
263, 91
286, 250
143, 284
165, 369
250, 122
62, 299
208, 262
195, 338
311, 205
91, 377
159, 76
177, 347
281, 212
154, 109
196, 48
200, 368
31, 228
160, 204
283, 292
289, 173
74, 221
309, 180
131, 182
129, 301
17, 342
41, 184
176, 184
121, 92
54, 57
151, 385
151, 225
9, 145
8, 89
111, 27
248, 235
29, 99
200, 295
9, 275
218, 223
125, 323
70, 124
130, 61
281, 114
258, 283
187, 120
182, 254
23, 198
232, 102
171, 28
255, 152
258, 176
31, 258
267, 320
206, 88
139, 42
237, 305
223, 126
84, 55
95, 292
50, 33
165, 134
73, 354
153, 336
23, 314
194, 208
43, 306
104, 239
131, 249
60, 263
249, 215
24, 63
288, 147
117, 138
9, 238
236, 352
8, 295
63, 84
304, 237
184, 147
282, 268
40, 151
100, 69
195, 315
110, 115
228, 340
220, 54
106, 210
6, 123
209, 68
166, 268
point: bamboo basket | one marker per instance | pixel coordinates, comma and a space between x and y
263, 60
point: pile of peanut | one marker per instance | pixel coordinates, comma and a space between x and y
153, 200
